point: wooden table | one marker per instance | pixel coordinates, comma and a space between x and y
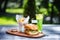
51, 31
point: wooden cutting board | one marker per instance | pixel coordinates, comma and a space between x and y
17, 33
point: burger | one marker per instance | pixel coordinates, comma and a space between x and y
31, 29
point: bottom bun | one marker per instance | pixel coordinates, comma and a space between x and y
31, 33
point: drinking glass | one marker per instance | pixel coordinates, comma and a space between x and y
39, 18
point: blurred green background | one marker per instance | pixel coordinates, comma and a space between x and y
10, 8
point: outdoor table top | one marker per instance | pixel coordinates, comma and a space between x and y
51, 31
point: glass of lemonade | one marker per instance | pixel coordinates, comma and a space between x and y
39, 18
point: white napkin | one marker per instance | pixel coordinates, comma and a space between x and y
26, 20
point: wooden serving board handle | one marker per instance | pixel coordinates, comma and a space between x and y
17, 33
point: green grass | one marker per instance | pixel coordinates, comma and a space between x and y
19, 10
6, 21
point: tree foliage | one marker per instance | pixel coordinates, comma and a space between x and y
30, 9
